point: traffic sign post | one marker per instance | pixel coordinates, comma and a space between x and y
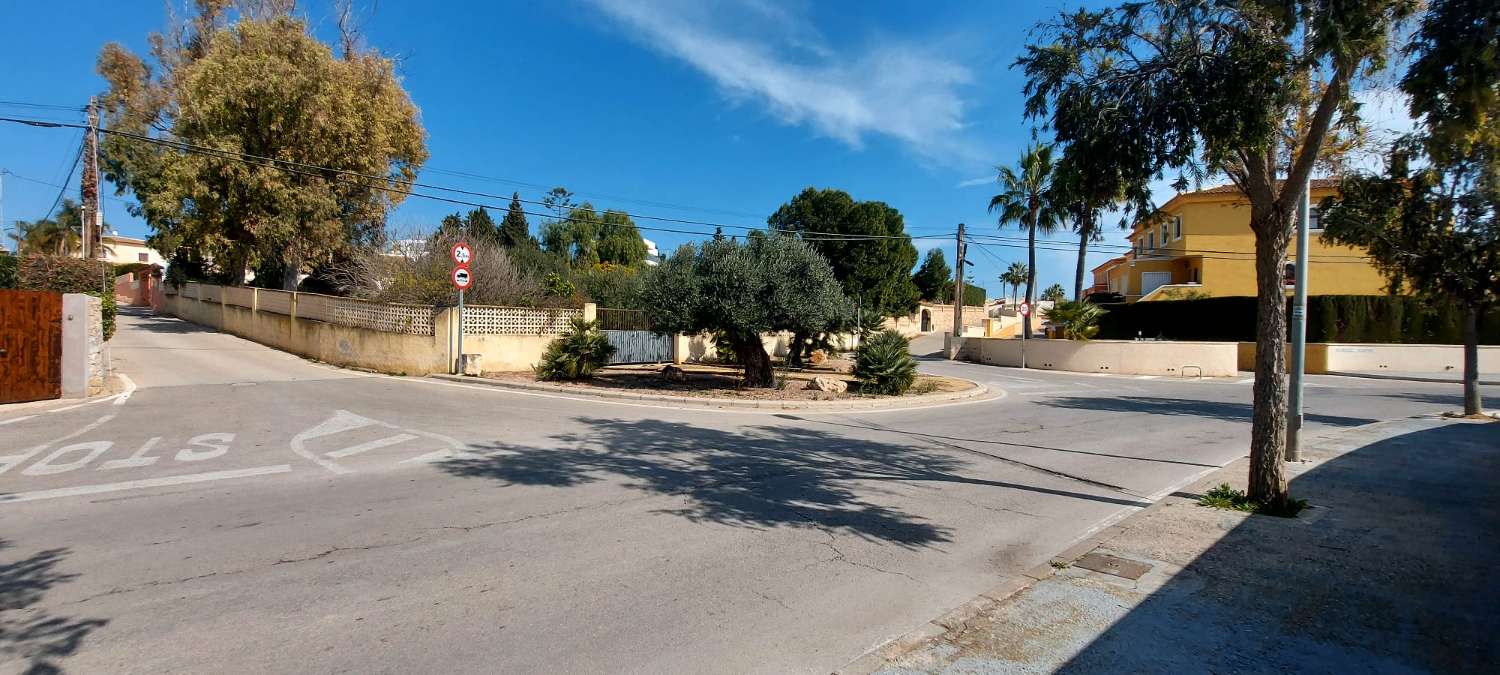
462, 280
1025, 311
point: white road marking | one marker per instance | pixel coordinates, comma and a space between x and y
205, 441
144, 483
49, 465
129, 389
372, 445
1146, 377
135, 460
10, 461
16, 419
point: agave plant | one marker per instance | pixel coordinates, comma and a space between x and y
1078, 319
575, 354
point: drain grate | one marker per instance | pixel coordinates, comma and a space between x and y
1108, 564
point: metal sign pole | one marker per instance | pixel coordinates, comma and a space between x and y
1025, 328
459, 366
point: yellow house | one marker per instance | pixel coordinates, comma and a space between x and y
1203, 247
121, 249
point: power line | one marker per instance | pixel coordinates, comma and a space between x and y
319, 171
42, 106
63, 189
55, 185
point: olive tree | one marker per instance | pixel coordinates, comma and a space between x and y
742, 290
1253, 90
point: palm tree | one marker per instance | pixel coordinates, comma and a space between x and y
1026, 199
1014, 276
53, 236
1081, 199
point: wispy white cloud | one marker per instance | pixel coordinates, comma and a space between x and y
982, 180
765, 53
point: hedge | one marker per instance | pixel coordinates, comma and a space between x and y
1330, 318
8, 275
71, 275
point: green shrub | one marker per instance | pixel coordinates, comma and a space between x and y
9, 265
883, 365
576, 354
61, 274
1330, 318
1078, 319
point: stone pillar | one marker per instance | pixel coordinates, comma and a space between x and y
590, 311
84, 362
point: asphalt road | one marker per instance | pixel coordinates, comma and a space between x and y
245, 510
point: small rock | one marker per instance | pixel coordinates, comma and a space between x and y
830, 385
793, 385
673, 374
818, 356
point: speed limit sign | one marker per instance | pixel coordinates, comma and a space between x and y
462, 254
462, 279
1025, 309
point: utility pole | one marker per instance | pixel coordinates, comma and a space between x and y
1298, 330
2, 210
89, 187
958, 295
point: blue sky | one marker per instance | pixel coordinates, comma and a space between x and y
714, 110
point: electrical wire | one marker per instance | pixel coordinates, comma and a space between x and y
320, 171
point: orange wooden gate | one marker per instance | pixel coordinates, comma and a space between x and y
30, 346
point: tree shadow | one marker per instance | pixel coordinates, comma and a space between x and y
30, 634
1220, 410
1396, 574
146, 321
761, 477
1455, 400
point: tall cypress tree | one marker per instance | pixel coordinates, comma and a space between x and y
481, 226
513, 229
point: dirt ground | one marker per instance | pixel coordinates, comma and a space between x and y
715, 381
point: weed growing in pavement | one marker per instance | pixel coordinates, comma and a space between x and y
924, 387
1225, 497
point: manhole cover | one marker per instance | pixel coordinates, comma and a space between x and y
1108, 564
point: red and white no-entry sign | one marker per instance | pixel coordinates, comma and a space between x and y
462, 279
462, 254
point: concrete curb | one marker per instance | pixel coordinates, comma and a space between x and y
924, 400
1407, 378
877, 658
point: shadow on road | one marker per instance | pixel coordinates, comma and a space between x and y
1219, 410
143, 319
29, 634
1397, 575
766, 476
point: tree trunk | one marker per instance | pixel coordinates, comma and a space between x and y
757, 363
1030, 273
291, 272
1472, 403
1083, 251
795, 349
1268, 420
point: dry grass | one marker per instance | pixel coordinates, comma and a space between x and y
715, 381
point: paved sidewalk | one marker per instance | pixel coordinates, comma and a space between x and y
1391, 571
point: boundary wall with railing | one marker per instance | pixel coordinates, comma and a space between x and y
384, 337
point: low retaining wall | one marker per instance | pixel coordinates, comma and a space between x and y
1332, 357
1123, 357
263, 318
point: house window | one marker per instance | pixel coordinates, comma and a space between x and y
142, 257
1177, 227
1289, 275
1151, 239
1314, 223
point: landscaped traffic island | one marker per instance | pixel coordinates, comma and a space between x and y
829, 381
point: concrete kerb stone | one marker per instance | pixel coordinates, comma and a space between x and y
1407, 378
978, 390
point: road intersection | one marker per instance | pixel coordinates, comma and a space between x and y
248, 510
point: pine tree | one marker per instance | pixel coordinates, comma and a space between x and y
513, 229
480, 225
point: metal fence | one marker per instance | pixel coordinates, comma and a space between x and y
623, 319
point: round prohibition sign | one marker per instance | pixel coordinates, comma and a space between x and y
462, 254
1025, 309
462, 278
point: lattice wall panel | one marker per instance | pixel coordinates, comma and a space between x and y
389, 318
486, 320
